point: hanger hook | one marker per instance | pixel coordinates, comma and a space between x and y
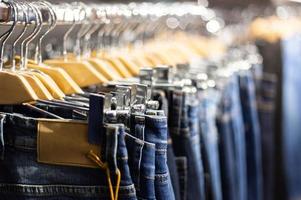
95, 25
35, 32
53, 22
25, 17
6, 35
65, 53
82, 31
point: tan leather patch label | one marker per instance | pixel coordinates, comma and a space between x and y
64, 143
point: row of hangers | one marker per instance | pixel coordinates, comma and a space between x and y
112, 42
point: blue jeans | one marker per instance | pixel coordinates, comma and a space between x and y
181, 164
186, 141
291, 126
142, 166
266, 108
209, 137
232, 142
23, 178
253, 137
156, 132
147, 174
166, 104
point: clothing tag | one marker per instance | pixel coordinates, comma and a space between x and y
95, 121
65, 142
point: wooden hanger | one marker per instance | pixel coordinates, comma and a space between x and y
63, 82
43, 84
14, 88
101, 66
81, 71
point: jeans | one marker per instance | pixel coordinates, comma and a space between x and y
147, 173
156, 132
23, 178
135, 148
253, 137
181, 164
266, 108
187, 144
122, 159
172, 167
291, 126
142, 166
162, 98
232, 142
209, 139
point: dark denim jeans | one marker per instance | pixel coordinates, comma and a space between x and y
253, 137
209, 139
172, 167
135, 148
232, 142
181, 164
147, 174
165, 104
226, 151
122, 159
186, 141
266, 108
156, 132
23, 178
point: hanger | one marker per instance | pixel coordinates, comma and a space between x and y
14, 88
107, 52
100, 65
36, 84
76, 67
66, 84
49, 83
116, 33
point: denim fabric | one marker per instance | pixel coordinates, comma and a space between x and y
209, 138
253, 137
135, 148
179, 181
291, 126
156, 132
122, 160
165, 104
226, 151
232, 142
147, 173
172, 167
187, 144
181, 164
23, 178
266, 108
143, 157
195, 169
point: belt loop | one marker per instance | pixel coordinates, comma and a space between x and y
2, 135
